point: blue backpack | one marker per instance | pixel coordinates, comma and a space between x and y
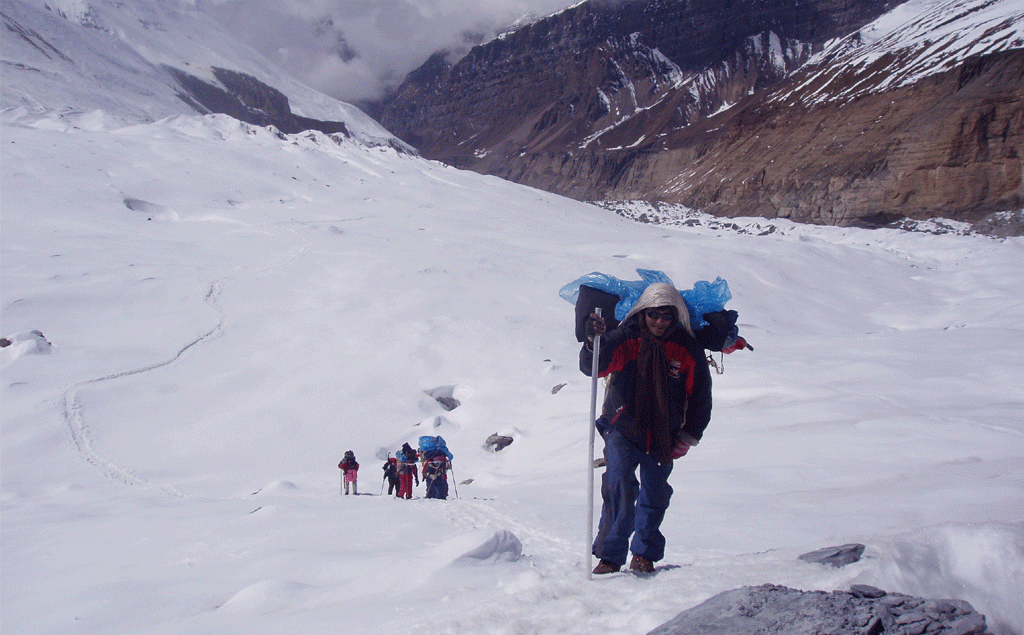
431, 445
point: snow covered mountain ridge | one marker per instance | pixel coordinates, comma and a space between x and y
915, 40
859, 113
139, 62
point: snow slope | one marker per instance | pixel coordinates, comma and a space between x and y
223, 311
169, 465
64, 57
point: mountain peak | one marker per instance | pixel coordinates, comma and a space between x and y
140, 62
818, 111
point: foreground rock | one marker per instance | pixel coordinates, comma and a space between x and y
777, 610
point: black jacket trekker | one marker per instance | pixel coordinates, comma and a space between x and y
689, 382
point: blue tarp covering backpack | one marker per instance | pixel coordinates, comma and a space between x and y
713, 325
429, 446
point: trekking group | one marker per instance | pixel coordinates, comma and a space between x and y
657, 405
430, 464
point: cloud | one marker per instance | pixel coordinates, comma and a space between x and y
356, 49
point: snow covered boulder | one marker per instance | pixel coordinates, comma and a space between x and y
28, 343
478, 547
500, 546
497, 442
777, 610
445, 396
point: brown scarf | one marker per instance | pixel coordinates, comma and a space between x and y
651, 403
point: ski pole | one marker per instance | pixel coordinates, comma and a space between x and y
588, 547
342, 483
453, 481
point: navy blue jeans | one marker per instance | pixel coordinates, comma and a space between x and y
631, 507
437, 488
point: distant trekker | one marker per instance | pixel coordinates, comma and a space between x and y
435, 474
350, 469
407, 458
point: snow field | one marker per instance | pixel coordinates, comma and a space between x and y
170, 465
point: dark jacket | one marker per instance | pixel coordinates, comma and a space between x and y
689, 382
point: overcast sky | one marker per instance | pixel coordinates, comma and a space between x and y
354, 49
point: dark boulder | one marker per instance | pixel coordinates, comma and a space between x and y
497, 442
777, 610
247, 99
835, 556
449, 403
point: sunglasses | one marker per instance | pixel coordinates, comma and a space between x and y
666, 316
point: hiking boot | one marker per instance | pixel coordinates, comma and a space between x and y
641, 564
606, 566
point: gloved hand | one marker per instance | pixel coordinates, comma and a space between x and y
737, 345
595, 326
680, 449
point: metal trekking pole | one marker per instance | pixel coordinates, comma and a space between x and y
454, 486
588, 547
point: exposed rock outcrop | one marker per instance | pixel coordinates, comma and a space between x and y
777, 610
445, 396
558, 83
949, 146
247, 99
497, 442
836, 556
766, 108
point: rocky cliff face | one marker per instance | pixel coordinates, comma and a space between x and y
247, 99
805, 109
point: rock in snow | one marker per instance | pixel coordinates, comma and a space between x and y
26, 343
777, 610
835, 556
497, 442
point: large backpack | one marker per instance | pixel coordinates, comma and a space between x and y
428, 445
714, 327
436, 466
407, 454
436, 453
591, 298
349, 462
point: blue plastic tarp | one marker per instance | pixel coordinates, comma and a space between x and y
704, 297
429, 444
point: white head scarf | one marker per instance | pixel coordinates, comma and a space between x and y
662, 294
